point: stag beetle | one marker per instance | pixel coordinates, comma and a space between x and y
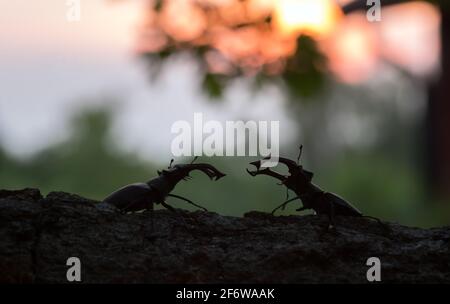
299, 181
142, 196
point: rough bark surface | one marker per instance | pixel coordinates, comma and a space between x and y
38, 235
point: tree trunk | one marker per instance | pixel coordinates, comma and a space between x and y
438, 119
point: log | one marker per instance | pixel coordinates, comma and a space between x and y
38, 234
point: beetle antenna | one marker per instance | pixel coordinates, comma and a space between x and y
195, 158
299, 154
171, 162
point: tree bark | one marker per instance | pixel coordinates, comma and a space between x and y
38, 235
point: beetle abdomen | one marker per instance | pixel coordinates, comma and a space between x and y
341, 206
321, 203
132, 197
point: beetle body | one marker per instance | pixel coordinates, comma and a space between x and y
312, 197
322, 202
134, 197
140, 196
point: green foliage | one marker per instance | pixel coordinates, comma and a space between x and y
89, 164
304, 75
86, 164
381, 187
235, 194
305, 71
213, 85
377, 185
158, 5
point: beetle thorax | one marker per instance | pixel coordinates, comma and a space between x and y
162, 185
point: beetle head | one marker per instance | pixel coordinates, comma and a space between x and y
162, 172
258, 170
265, 171
295, 169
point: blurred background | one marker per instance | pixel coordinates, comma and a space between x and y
86, 106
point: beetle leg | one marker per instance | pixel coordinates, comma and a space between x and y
152, 215
167, 206
187, 200
124, 210
383, 225
287, 197
331, 223
285, 203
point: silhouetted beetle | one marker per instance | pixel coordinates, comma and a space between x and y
312, 197
142, 196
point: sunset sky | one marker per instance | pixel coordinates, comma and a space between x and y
49, 66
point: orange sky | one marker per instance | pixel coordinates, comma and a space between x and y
48, 65
407, 36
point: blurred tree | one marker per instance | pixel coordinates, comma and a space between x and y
437, 140
304, 71
231, 40
90, 164
245, 38
225, 47
438, 122
87, 163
